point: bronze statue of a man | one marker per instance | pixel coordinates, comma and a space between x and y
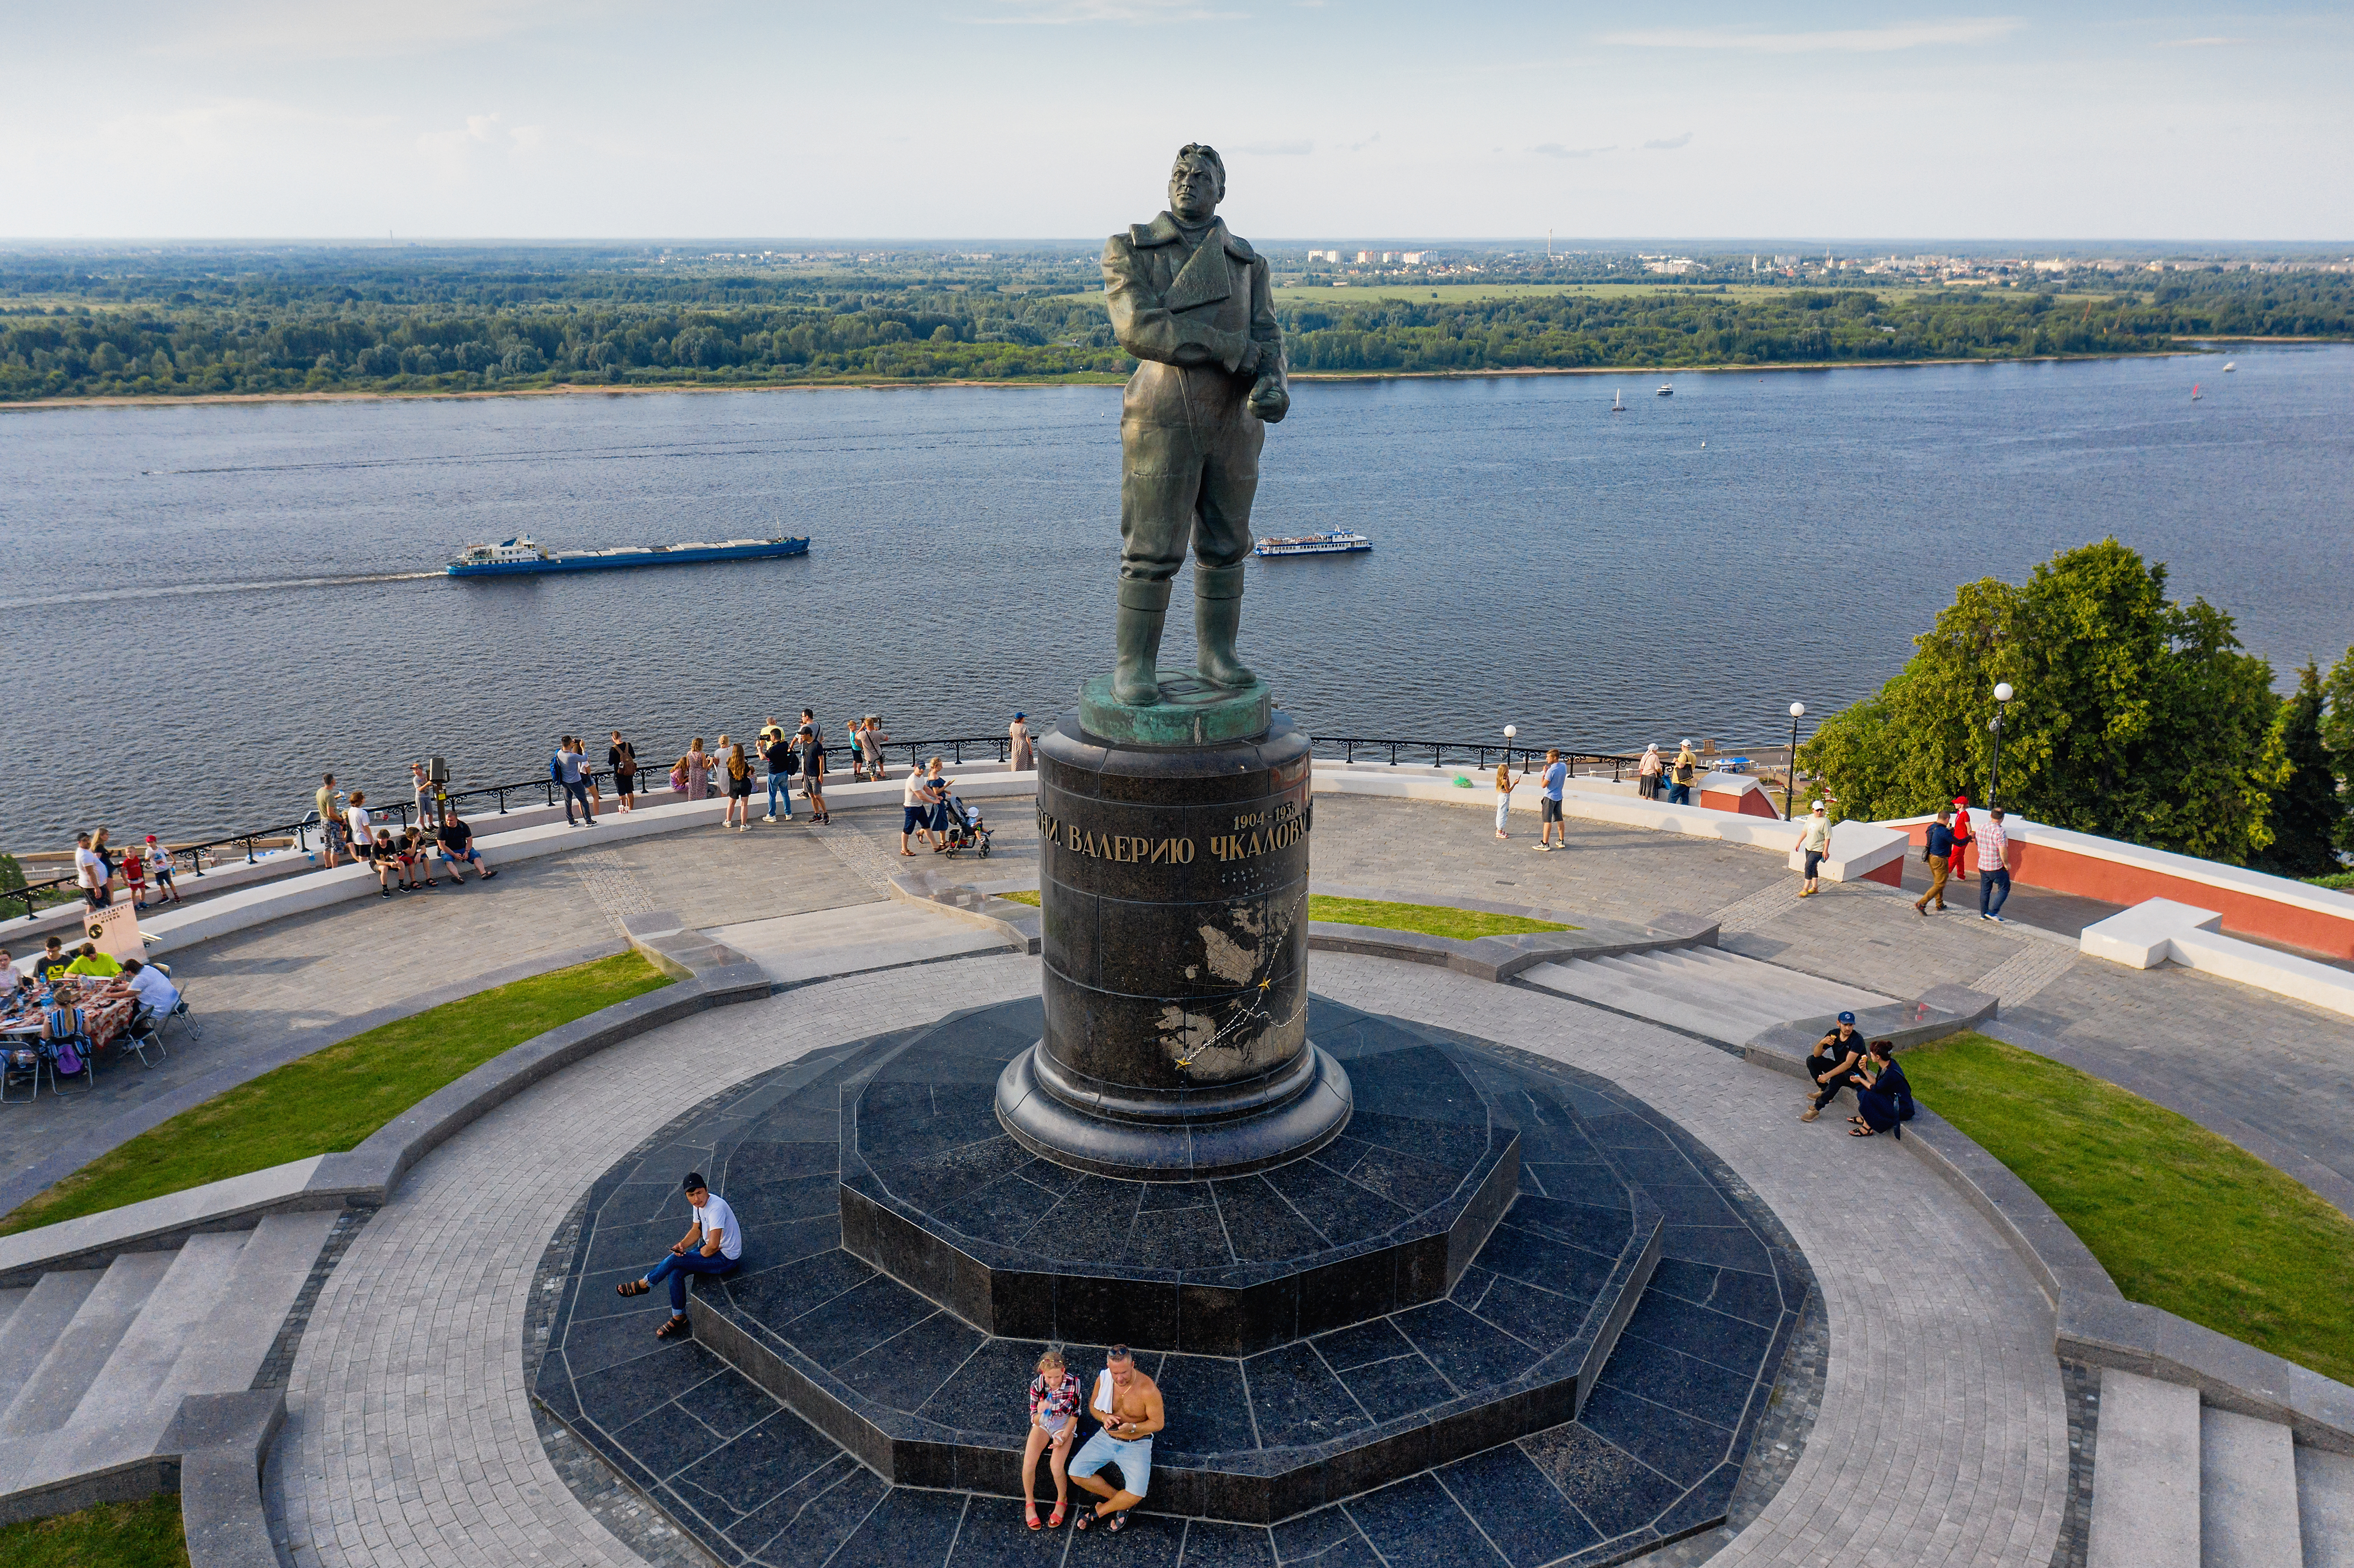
1193, 302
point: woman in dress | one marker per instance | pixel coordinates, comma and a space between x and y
1053, 1418
739, 789
1503, 795
1025, 757
1888, 1104
698, 771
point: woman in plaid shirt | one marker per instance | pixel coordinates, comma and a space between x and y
1054, 1419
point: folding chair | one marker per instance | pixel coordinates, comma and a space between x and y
179, 1012
142, 1036
49, 1051
20, 1062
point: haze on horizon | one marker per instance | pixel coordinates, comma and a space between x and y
1000, 119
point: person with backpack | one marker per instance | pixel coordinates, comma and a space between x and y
1684, 772
63, 1034
778, 753
623, 759
569, 767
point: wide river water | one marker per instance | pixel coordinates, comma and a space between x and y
210, 605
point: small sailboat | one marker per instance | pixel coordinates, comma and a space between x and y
2194, 391
2230, 365
1617, 402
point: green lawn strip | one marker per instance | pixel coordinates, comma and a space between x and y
144, 1534
2180, 1218
328, 1101
1029, 898
1432, 919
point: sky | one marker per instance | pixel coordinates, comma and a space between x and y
1338, 119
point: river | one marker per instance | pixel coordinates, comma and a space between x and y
212, 604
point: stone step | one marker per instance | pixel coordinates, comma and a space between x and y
1588, 982
1746, 1002
112, 1423
47, 1307
2145, 1475
1805, 995
2247, 1493
81, 1349
226, 1353
2325, 1506
9, 1302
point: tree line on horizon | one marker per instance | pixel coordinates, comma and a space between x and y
2136, 717
318, 329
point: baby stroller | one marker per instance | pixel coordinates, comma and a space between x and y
965, 828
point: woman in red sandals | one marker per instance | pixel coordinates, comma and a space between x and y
1053, 1418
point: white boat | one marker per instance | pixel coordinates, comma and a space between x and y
1665, 391
2230, 365
1617, 402
1332, 542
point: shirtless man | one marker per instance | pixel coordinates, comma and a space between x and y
1128, 1403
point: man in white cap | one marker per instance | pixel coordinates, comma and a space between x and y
1684, 770
1815, 843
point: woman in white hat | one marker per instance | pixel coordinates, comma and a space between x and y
1815, 843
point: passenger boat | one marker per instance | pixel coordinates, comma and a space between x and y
521, 555
1665, 391
1333, 541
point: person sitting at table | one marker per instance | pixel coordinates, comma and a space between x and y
89, 961
1888, 1102
11, 978
61, 1020
151, 985
53, 958
458, 851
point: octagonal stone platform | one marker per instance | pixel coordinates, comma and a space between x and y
935, 1193
827, 1403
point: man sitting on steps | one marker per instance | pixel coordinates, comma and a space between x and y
1128, 1403
713, 1244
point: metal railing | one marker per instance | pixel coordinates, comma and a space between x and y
1440, 751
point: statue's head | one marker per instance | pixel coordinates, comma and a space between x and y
1197, 182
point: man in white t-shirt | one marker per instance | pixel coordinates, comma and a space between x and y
713, 1244
89, 871
151, 985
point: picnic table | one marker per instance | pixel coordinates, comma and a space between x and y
103, 1018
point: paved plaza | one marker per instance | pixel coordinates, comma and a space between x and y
1941, 1434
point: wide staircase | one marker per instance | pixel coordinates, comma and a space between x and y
94, 1363
1706, 991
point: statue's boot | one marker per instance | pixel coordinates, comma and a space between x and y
1217, 615
1136, 637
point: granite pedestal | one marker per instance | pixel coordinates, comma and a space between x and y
1173, 893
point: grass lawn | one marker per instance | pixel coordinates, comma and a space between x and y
111, 1535
1432, 919
328, 1101
2180, 1218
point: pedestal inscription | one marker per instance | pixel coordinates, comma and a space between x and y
1173, 884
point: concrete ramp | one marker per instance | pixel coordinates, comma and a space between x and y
791, 948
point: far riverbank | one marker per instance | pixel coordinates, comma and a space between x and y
1082, 378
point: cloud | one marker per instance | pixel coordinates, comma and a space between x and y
1669, 143
1849, 40
1556, 150
2197, 43
1278, 148
1066, 12
455, 150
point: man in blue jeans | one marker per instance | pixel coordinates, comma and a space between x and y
1994, 868
778, 753
713, 1244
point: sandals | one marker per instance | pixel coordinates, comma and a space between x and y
1087, 1518
676, 1329
1030, 1513
1861, 1132
1055, 1520
631, 1288
1115, 1524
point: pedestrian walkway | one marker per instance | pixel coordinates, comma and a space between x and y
1940, 1438
268, 995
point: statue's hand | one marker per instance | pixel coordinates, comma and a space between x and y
1269, 399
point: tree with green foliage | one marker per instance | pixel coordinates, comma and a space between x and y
2135, 718
2306, 811
2337, 739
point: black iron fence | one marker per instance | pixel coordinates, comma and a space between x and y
36, 895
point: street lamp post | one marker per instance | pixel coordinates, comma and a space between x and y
1509, 731
1790, 779
2002, 695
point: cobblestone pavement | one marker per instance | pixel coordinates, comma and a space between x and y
409, 1437
2269, 1073
1941, 1439
277, 991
